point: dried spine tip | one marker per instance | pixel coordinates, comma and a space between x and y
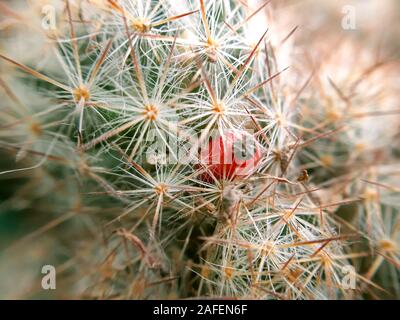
219, 108
387, 245
36, 129
141, 25
151, 112
161, 188
211, 50
81, 93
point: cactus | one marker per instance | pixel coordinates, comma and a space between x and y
179, 149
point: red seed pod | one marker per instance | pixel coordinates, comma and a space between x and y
230, 155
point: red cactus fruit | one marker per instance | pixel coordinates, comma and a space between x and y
232, 154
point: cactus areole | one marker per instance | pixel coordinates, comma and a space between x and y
229, 155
